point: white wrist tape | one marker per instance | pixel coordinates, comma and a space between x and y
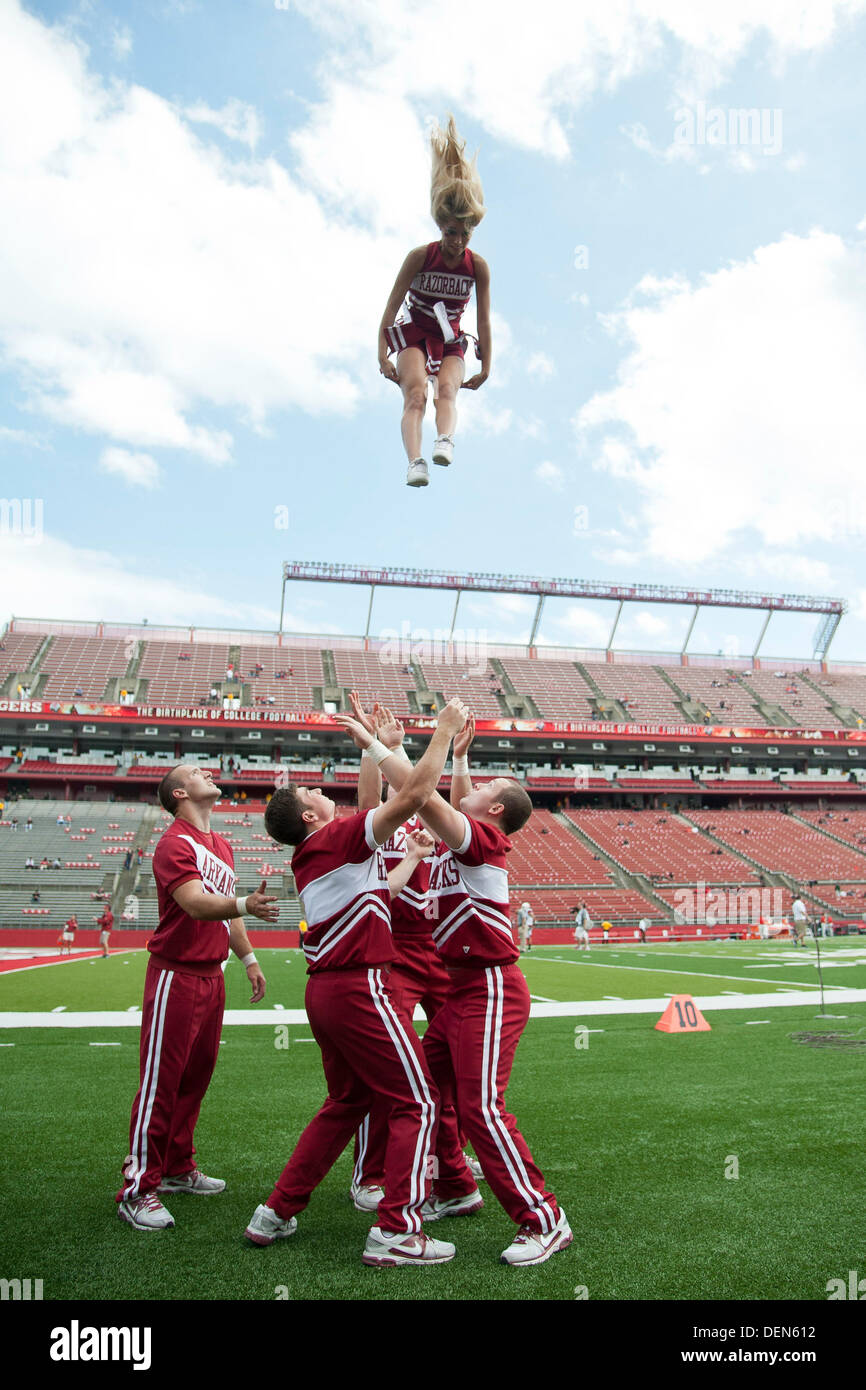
401, 753
460, 766
240, 907
377, 751
249, 960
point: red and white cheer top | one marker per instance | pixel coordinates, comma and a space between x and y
184, 852
343, 885
469, 886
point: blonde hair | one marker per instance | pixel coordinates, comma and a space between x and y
455, 188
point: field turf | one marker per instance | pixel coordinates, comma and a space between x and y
634, 1132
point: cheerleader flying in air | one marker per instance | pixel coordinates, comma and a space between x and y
421, 322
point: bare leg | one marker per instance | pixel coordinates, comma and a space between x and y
448, 384
412, 376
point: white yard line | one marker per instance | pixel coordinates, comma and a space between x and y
658, 970
570, 1009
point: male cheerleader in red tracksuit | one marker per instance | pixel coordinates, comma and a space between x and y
368, 1048
184, 997
470, 1044
417, 974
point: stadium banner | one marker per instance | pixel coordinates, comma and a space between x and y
67, 710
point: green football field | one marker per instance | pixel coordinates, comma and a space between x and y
725, 1164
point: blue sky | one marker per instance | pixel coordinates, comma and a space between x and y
209, 203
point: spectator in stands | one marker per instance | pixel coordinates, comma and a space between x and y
29, 862
35, 896
140, 853
14, 823
183, 656
28, 824
79, 693
43, 863
55, 863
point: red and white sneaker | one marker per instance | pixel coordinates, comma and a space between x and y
402, 1248
367, 1196
145, 1213
531, 1247
474, 1167
437, 1207
194, 1181
265, 1226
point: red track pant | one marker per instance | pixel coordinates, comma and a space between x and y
180, 1034
416, 977
368, 1052
470, 1047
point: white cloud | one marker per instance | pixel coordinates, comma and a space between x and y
147, 277
139, 470
739, 409
540, 365
121, 43
25, 437
52, 576
237, 120
525, 92
551, 475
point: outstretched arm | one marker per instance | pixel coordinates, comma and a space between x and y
442, 820
369, 776
419, 846
415, 788
461, 784
485, 342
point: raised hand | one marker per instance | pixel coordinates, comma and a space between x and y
364, 719
463, 740
360, 736
453, 717
261, 906
389, 730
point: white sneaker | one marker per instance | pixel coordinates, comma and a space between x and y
401, 1248
266, 1227
474, 1167
418, 474
193, 1182
367, 1197
443, 450
145, 1213
437, 1207
530, 1247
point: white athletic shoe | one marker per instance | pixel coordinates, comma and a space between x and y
266, 1227
437, 1207
367, 1197
193, 1181
443, 450
145, 1213
474, 1167
530, 1247
400, 1248
418, 474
